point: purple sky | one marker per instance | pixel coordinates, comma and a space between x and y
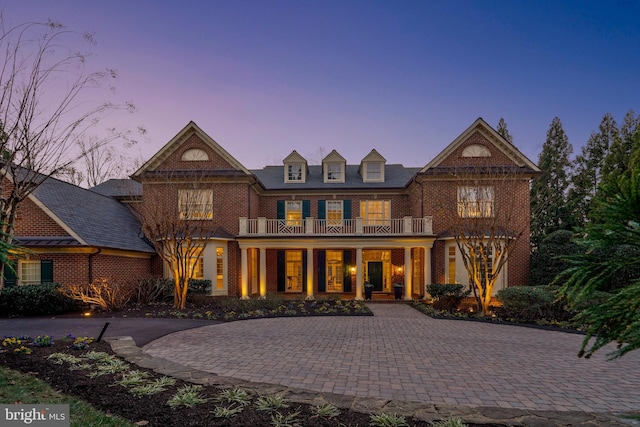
265, 77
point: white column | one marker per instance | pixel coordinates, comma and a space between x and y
408, 274
427, 268
359, 274
263, 272
310, 274
244, 280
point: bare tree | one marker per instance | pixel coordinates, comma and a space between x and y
491, 222
43, 80
177, 217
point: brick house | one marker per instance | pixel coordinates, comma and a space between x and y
308, 230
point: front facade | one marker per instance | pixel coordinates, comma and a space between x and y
293, 229
309, 230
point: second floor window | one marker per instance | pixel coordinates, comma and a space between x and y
195, 204
334, 212
375, 212
475, 202
294, 212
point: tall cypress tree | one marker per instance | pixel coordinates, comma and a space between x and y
617, 161
503, 131
549, 211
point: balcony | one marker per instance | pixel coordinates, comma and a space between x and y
407, 226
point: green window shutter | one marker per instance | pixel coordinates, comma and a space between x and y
306, 208
46, 271
346, 209
322, 271
322, 209
10, 277
346, 259
280, 208
281, 271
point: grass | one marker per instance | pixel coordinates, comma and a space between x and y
16, 387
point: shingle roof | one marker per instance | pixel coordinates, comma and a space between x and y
98, 220
119, 188
395, 176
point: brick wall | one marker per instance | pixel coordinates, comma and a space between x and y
32, 221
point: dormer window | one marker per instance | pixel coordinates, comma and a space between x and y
333, 167
334, 172
295, 168
294, 172
372, 167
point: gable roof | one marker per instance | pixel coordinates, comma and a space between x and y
492, 136
170, 147
90, 218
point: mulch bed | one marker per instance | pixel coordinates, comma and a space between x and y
105, 394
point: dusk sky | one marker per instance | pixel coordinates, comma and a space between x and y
263, 78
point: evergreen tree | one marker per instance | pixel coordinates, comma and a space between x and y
503, 131
549, 192
588, 169
617, 161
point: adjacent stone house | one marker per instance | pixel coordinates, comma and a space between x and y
294, 228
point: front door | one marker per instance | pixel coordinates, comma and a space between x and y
374, 269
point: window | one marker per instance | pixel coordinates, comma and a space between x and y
334, 172
373, 171
375, 212
334, 212
293, 261
195, 204
335, 271
194, 155
476, 150
30, 273
475, 202
219, 268
293, 213
196, 265
294, 172
451, 265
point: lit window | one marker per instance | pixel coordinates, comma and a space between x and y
219, 268
334, 172
294, 172
334, 212
335, 271
294, 271
294, 213
195, 204
196, 265
375, 212
475, 202
452, 265
30, 273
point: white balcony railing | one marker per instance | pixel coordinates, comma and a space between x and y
347, 227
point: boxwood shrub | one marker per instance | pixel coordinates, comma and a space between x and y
447, 296
530, 304
35, 300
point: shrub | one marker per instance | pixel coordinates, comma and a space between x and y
151, 290
108, 296
531, 303
35, 300
547, 261
447, 296
199, 287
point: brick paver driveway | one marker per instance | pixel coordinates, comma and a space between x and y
403, 355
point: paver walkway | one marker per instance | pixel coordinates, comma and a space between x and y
401, 354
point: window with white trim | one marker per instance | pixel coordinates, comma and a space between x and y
195, 204
334, 212
475, 202
334, 271
219, 268
334, 172
30, 273
294, 271
196, 265
375, 212
294, 172
373, 171
293, 213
